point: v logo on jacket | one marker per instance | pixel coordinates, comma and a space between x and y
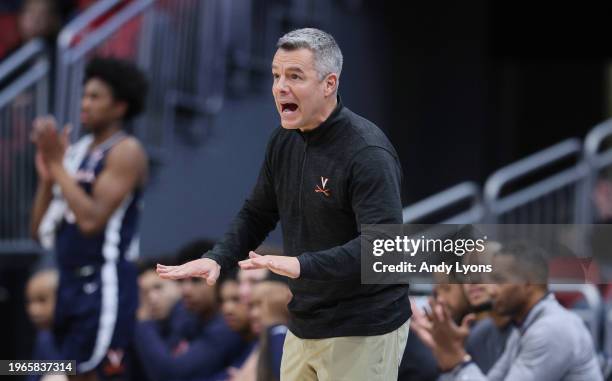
321, 188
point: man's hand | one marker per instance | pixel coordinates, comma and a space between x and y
42, 170
449, 337
421, 324
204, 268
51, 144
286, 266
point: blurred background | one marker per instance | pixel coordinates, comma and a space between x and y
497, 109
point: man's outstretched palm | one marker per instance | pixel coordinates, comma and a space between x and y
203, 268
279, 264
209, 269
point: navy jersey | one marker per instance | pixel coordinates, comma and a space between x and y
98, 291
118, 240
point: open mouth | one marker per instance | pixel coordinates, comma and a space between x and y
288, 108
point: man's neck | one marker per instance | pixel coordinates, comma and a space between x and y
104, 133
499, 320
327, 111
535, 297
207, 314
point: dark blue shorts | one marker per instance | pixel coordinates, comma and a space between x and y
95, 316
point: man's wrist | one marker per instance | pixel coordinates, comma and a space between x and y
55, 167
210, 255
45, 184
455, 361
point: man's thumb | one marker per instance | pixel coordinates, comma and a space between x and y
468, 320
253, 254
213, 275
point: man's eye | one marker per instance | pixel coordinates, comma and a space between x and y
295, 76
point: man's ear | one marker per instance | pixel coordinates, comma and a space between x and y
331, 84
121, 108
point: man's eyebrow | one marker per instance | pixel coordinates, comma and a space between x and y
291, 68
295, 68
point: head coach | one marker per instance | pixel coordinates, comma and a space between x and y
326, 172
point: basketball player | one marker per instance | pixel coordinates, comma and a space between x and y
92, 221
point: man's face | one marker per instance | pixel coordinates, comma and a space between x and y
453, 297
299, 93
247, 279
160, 295
256, 310
40, 294
478, 294
38, 19
98, 107
511, 292
198, 296
235, 312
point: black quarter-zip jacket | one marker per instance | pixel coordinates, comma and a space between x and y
322, 185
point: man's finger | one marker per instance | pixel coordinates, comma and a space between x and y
437, 313
250, 264
253, 254
66, 133
163, 268
468, 320
446, 313
165, 275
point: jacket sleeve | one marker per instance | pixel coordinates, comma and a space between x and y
257, 218
374, 187
544, 353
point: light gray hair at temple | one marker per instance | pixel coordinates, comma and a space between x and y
327, 54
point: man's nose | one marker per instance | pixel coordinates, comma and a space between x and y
281, 85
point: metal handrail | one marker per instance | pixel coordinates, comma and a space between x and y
501, 177
64, 40
433, 204
96, 10
539, 189
24, 54
97, 36
35, 73
595, 138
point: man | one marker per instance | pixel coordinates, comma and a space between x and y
93, 221
206, 345
550, 343
418, 362
269, 312
40, 304
236, 315
326, 172
160, 304
159, 300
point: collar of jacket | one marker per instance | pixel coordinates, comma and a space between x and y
535, 312
326, 127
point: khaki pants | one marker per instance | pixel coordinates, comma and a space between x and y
354, 358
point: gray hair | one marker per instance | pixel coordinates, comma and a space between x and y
327, 54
